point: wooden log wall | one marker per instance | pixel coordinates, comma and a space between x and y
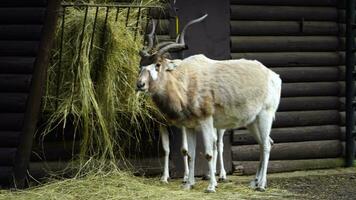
302, 41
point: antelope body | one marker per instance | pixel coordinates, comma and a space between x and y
201, 93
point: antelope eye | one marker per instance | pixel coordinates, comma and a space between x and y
158, 65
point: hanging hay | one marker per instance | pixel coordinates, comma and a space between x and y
94, 85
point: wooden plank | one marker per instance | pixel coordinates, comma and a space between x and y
15, 83
290, 151
16, 65
13, 102
309, 103
294, 59
19, 48
306, 118
7, 156
311, 89
9, 138
22, 15
20, 32
6, 175
54, 151
275, 166
11, 121
287, 3
22, 3
285, 43
292, 134
309, 74
288, 13
284, 28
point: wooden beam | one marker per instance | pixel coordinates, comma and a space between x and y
49, 16
22, 15
275, 166
13, 102
290, 151
309, 74
294, 59
285, 28
288, 13
287, 3
285, 43
15, 82
311, 89
11, 121
306, 118
309, 103
292, 134
20, 32
16, 65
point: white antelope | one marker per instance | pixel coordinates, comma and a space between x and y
164, 133
202, 93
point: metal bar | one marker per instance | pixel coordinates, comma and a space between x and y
137, 21
117, 14
350, 88
93, 33
75, 78
60, 56
107, 5
127, 16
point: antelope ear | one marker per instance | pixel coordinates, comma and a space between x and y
171, 66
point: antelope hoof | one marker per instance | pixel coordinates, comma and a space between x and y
187, 186
222, 179
260, 189
253, 184
164, 180
205, 177
210, 189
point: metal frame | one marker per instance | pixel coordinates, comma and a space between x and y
350, 87
108, 9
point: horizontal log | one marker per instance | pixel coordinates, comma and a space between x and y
22, 3
286, 28
15, 83
292, 134
10, 138
53, 151
285, 43
13, 102
16, 65
309, 103
289, 13
18, 15
18, 48
11, 121
39, 170
6, 175
287, 3
290, 151
294, 59
275, 166
7, 156
309, 74
306, 118
311, 89
20, 32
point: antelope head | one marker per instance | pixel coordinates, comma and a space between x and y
154, 62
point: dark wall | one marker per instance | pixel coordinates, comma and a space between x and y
211, 37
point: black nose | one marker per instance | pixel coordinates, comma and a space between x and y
140, 85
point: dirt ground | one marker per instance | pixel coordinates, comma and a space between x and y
333, 184
318, 184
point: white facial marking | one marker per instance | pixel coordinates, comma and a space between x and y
152, 70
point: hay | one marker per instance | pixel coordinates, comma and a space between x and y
97, 85
123, 185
